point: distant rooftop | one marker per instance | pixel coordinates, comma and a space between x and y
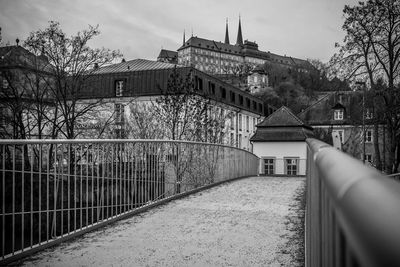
248, 49
282, 125
282, 117
135, 65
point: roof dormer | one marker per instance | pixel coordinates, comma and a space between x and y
338, 112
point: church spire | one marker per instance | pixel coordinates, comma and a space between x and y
184, 41
239, 40
226, 32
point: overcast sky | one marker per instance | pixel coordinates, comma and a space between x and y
140, 28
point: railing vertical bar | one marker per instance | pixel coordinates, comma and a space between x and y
130, 172
13, 202
87, 188
31, 197
107, 163
76, 157
112, 180
120, 177
92, 198
81, 186
62, 187
98, 193
3, 216
40, 192
103, 164
141, 174
23, 199
135, 169
55, 189
48, 192
69, 166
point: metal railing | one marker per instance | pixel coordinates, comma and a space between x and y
55, 190
395, 176
352, 211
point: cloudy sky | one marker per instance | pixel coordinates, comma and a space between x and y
140, 28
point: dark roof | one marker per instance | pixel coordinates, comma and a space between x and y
211, 45
135, 65
248, 49
282, 125
338, 106
321, 112
19, 57
281, 117
282, 134
168, 54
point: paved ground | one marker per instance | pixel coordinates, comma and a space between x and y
237, 224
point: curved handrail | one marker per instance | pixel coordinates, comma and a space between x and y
104, 141
355, 206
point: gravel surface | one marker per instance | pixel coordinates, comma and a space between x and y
241, 223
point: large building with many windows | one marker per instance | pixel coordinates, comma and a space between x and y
122, 86
217, 57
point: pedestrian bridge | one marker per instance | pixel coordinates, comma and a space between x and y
53, 191
242, 223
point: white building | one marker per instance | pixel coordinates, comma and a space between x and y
280, 143
133, 86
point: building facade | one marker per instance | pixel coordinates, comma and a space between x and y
280, 144
216, 57
136, 84
340, 119
25, 95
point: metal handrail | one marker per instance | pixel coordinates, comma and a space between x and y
395, 176
353, 211
53, 190
104, 141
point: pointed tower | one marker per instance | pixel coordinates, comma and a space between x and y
239, 40
184, 41
226, 32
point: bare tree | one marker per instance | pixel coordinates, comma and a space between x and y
73, 63
25, 94
371, 51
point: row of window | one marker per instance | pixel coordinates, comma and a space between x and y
291, 166
238, 141
243, 124
368, 135
338, 114
241, 100
255, 60
216, 61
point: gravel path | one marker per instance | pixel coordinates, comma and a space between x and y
236, 224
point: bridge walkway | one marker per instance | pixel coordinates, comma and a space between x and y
248, 222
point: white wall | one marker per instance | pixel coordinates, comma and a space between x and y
279, 151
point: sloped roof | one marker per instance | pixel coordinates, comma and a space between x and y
282, 134
244, 50
282, 125
168, 54
17, 56
212, 45
135, 65
321, 112
281, 117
